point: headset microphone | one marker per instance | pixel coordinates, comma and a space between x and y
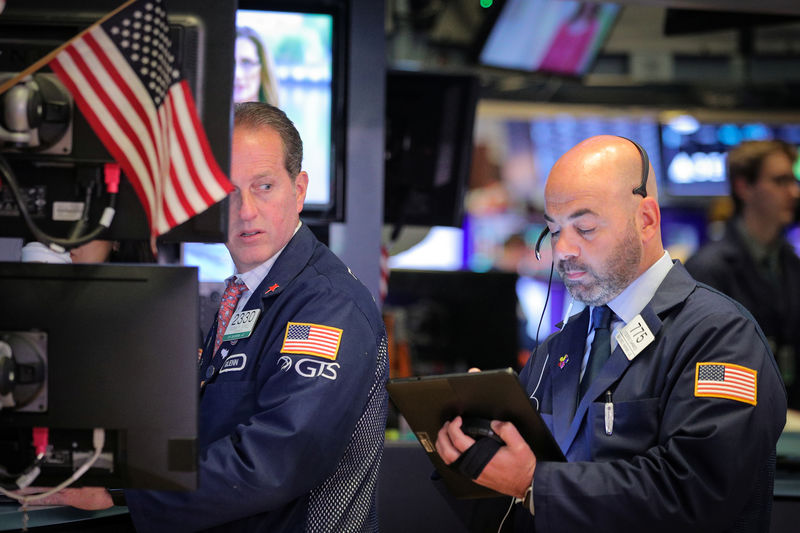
537, 248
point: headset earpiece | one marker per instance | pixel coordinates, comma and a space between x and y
537, 248
641, 190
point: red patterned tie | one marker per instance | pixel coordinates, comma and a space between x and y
227, 306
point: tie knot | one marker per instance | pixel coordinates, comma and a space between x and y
601, 317
236, 283
234, 288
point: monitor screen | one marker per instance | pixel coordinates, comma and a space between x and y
429, 125
442, 248
64, 171
443, 323
694, 152
557, 36
101, 346
291, 57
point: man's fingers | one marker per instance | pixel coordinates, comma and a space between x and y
509, 433
444, 447
460, 440
451, 441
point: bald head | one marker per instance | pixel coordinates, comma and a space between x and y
604, 234
606, 161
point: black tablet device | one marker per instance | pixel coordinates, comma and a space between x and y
427, 402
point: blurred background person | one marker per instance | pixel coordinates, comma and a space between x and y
254, 76
753, 262
96, 251
122, 251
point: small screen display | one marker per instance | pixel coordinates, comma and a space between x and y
556, 36
286, 59
694, 154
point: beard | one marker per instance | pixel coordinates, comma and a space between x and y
599, 286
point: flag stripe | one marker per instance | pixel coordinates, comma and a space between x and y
204, 157
174, 194
165, 218
308, 342
177, 197
181, 160
196, 148
187, 145
310, 351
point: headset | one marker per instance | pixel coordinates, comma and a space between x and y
641, 190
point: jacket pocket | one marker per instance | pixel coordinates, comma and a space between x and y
631, 430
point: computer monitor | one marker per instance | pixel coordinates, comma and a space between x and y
102, 346
292, 54
65, 170
456, 320
429, 124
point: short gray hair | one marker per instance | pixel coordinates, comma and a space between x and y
259, 115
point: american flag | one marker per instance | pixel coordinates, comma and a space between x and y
725, 380
121, 73
312, 339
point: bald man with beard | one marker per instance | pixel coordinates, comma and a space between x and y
674, 428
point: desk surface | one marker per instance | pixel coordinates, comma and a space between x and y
11, 516
787, 485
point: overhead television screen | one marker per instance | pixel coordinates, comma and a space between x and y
694, 153
558, 36
289, 59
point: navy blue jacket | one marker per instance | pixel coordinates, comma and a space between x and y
674, 461
288, 441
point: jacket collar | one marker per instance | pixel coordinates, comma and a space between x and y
290, 263
675, 288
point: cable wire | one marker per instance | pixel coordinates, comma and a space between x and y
98, 440
55, 243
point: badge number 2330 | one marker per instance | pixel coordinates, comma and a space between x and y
241, 324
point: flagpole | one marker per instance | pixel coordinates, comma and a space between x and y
46, 59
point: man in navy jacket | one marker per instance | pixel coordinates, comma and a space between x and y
293, 406
677, 429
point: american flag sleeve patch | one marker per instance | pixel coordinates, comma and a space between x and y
312, 339
725, 380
